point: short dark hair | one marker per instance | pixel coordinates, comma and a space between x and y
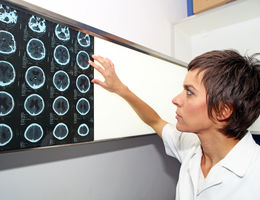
231, 80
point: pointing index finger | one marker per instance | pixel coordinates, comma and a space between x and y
97, 67
105, 62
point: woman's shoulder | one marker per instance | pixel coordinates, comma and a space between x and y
251, 151
170, 131
179, 144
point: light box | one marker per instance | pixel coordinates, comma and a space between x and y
46, 95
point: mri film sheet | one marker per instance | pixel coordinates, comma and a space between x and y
46, 97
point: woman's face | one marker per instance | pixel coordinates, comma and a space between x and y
192, 110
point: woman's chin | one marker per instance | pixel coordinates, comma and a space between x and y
181, 128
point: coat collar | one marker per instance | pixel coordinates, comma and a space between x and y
239, 158
194, 171
236, 161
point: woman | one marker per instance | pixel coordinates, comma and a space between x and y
220, 100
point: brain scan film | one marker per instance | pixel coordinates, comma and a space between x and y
6, 134
7, 42
82, 60
83, 83
61, 55
35, 77
7, 73
37, 24
8, 15
60, 131
83, 130
34, 104
83, 39
83, 106
6, 103
46, 96
61, 80
33, 133
61, 105
36, 49
62, 32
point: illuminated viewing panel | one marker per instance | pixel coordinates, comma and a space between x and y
46, 97
46, 94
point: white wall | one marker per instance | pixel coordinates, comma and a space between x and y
243, 36
235, 25
145, 22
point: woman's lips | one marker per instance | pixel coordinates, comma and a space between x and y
178, 116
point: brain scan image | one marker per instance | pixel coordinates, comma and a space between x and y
36, 49
7, 42
6, 103
60, 105
61, 55
82, 60
60, 131
83, 130
7, 73
83, 83
46, 93
62, 32
34, 104
6, 134
35, 77
33, 133
61, 80
8, 15
83, 39
37, 24
83, 106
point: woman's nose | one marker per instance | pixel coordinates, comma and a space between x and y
177, 100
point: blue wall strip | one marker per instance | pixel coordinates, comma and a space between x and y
189, 7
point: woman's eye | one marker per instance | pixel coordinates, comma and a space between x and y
189, 92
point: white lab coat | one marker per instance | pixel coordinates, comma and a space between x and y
236, 177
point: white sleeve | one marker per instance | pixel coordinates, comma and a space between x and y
178, 144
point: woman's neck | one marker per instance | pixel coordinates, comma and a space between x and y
215, 146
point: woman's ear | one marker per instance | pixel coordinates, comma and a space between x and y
225, 111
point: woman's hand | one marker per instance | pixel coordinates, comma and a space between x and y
111, 83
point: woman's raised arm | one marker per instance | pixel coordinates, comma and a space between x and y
112, 83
